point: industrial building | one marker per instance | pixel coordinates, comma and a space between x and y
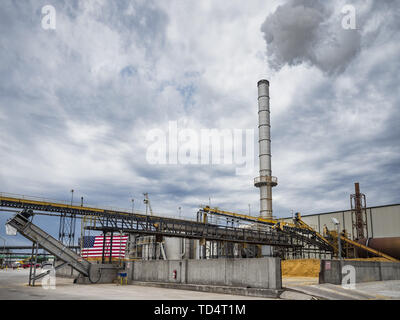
216, 248
383, 221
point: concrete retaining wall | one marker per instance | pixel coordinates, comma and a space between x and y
100, 273
66, 271
254, 273
108, 273
365, 271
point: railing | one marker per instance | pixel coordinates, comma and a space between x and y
87, 206
266, 179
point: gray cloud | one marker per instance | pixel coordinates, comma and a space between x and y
309, 32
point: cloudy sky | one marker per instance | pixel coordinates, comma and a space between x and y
77, 102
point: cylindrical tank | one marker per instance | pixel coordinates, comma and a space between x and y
390, 246
173, 248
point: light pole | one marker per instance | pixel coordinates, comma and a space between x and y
4, 249
72, 196
337, 223
180, 212
146, 201
133, 204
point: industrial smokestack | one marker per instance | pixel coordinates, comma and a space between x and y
265, 181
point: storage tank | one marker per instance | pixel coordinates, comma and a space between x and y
173, 248
390, 246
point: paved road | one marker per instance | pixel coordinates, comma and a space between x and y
14, 286
379, 290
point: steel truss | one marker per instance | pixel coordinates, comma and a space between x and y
288, 239
150, 225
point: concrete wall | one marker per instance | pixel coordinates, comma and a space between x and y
255, 273
365, 271
108, 273
66, 271
100, 273
156, 270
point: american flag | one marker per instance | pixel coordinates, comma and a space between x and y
93, 246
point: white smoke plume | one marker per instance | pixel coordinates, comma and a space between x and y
311, 32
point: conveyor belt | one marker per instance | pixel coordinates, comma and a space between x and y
115, 221
368, 249
32, 232
300, 230
189, 229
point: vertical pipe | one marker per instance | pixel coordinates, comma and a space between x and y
104, 248
111, 245
339, 242
35, 263
30, 267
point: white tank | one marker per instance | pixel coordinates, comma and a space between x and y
173, 248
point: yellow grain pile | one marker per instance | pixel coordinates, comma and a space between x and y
369, 259
300, 268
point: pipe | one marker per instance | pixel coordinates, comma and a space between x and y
389, 246
184, 248
265, 181
163, 251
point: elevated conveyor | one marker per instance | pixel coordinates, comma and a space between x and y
362, 247
32, 232
109, 220
368, 249
298, 230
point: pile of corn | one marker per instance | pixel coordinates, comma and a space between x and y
369, 259
300, 268
309, 267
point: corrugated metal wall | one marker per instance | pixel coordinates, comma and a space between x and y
382, 221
